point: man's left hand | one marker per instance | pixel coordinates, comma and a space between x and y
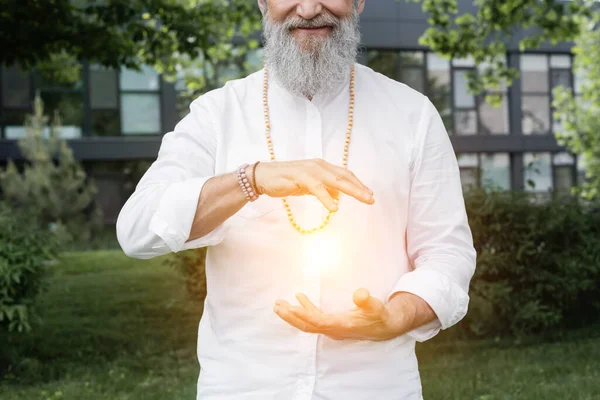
369, 320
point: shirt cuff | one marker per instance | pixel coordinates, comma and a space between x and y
173, 219
446, 298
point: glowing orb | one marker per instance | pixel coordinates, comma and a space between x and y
321, 252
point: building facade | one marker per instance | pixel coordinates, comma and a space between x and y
114, 120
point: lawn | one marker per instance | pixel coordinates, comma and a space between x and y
116, 329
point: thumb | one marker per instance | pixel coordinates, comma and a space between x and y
363, 299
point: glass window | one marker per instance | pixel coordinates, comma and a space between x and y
564, 172
105, 122
561, 77
14, 123
438, 87
68, 105
469, 169
468, 160
466, 122
563, 178
538, 172
140, 113
536, 115
384, 62
438, 71
145, 80
52, 79
463, 62
560, 61
493, 120
413, 77
495, 170
563, 158
16, 88
534, 73
103, 88
411, 58
469, 177
462, 97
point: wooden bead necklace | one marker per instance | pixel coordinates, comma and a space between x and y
272, 151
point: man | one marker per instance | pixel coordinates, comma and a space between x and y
332, 136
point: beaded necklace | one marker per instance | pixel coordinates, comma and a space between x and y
272, 152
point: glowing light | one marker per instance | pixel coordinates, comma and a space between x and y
321, 252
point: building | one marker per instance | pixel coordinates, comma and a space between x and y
114, 119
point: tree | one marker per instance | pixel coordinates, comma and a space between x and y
51, 188
484, 36
579, 113
115, 33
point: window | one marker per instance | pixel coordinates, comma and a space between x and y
488, 170
140, 101
404, 66
545, 172
538, 172
104, 101
15, 101
446, 85
564, 172
469, 170
473, 114
438, 87
242, 63
540, 74
60, 96
495, 170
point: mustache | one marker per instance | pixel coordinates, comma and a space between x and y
320, 21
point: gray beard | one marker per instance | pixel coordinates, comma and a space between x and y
322, 64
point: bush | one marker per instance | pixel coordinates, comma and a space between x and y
538, 265
190, 264
52, 185
24, 253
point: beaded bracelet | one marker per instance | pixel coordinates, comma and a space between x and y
245, 183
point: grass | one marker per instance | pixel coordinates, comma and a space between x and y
116, 329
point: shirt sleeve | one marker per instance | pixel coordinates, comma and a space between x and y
438, 236
157, 218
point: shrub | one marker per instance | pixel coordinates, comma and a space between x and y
52, 185
190, 264
538, 265
24, 253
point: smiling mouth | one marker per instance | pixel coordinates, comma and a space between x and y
314, 28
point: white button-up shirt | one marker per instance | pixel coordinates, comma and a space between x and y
415, 238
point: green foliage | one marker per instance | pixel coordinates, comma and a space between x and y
538, 265
170, 35
484, 34
52, 187
580, 113
24, 253
190, 265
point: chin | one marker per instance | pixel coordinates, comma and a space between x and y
311, 44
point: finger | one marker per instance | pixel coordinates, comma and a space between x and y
283, 310
363, 299
319, 190
351, 189
320, 321
348, 176
306, 303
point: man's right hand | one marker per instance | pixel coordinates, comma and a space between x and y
316, 177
